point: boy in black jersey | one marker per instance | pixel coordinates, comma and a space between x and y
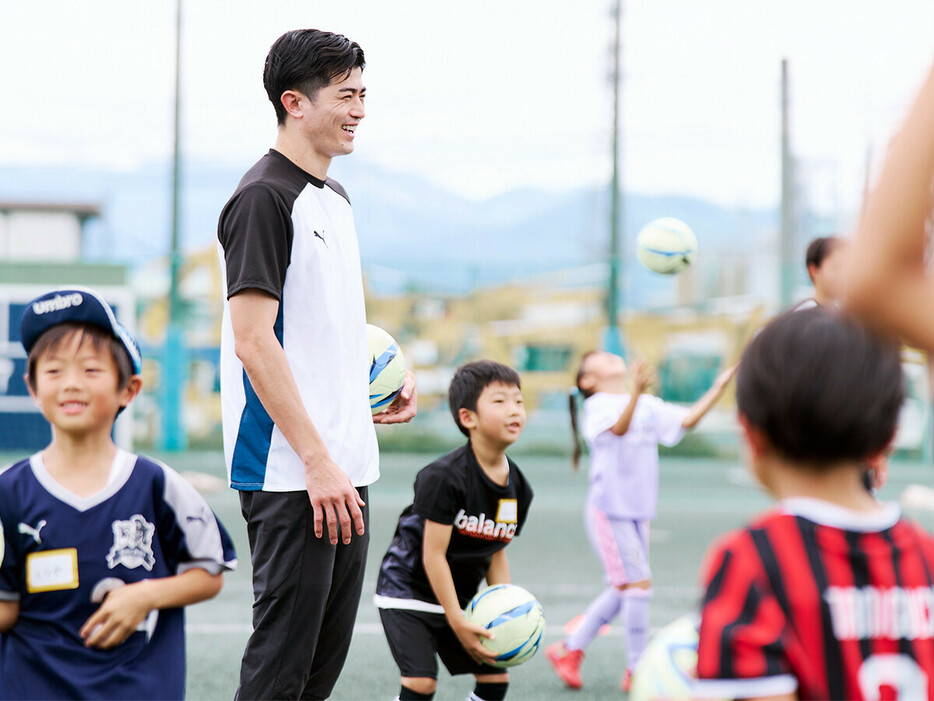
468, 506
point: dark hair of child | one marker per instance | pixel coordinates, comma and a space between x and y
469, 382
818, 250
822, 387
572, 407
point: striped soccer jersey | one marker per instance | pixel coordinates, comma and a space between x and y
823, 601
290, 235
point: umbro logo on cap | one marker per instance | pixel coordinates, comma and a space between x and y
78, 305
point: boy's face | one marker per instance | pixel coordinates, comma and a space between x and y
500, 415
76, 386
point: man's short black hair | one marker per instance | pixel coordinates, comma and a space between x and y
469, 382
307, 60
819, 249
822, 387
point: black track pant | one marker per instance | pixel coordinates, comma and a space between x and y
305, 598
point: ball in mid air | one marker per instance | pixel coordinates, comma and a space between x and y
666, 246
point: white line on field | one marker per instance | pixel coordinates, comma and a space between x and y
359, 629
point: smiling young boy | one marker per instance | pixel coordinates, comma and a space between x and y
468, 506
103, 548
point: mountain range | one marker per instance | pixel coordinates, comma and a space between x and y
413, 234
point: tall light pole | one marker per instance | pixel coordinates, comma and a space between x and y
613, 335
787, 256
173, 375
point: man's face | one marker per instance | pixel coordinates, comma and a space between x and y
330, 120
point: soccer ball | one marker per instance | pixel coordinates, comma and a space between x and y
387, 368
668, 667
514, 616
666, 246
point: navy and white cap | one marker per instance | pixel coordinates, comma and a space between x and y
79, 305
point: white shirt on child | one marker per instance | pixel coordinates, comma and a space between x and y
624, 469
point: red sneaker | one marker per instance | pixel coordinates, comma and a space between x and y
626, 683
566, 663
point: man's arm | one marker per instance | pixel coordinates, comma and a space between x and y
436, 538
332, 494
888, 283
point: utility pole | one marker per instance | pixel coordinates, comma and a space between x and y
174, 359
788, 262
613, 336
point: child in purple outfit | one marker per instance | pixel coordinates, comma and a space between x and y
623, 429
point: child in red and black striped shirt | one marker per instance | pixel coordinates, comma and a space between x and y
830, 595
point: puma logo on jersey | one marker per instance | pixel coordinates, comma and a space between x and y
26, 529
321, 236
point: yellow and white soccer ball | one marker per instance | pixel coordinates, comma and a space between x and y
515, 618
666, 246
387, 368
668, 667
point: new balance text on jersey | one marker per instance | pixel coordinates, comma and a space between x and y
483, 527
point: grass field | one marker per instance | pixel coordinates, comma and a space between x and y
699, 499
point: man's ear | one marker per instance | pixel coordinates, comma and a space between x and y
292, 102
755, 438
467, 418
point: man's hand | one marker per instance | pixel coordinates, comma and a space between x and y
334, 500
469, 635
405, 406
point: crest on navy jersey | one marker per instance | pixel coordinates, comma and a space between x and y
132, 544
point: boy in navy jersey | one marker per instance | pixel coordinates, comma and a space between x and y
468, 507
103, 548
830, 595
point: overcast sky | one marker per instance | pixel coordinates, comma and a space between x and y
483, 96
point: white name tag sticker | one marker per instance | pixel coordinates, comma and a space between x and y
508, 511
52, 570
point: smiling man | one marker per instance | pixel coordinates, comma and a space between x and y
298, 432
